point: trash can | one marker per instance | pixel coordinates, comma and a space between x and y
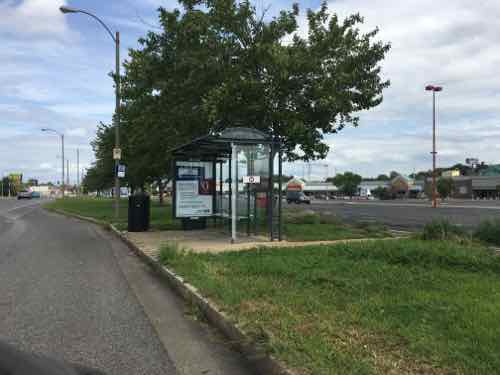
138, 212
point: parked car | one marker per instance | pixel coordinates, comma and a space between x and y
24, 194
35, 194
297, 197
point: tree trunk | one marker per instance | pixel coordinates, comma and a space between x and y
160, 191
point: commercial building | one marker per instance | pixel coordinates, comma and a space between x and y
473, 187
317, 189
451, 173
366, 188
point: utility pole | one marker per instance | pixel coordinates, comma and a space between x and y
78, 171
67, 172
62, 161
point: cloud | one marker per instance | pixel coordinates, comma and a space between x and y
54, 75
77, 132
33, 18
453, 44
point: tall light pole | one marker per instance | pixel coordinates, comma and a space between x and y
434, 89
67, 172
77, 171
116, 154
62, 159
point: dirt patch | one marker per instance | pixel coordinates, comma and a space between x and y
388, 358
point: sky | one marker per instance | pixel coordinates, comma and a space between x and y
54, 74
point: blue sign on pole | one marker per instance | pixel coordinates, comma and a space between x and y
121, 171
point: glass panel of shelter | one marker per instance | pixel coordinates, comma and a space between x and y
252, 186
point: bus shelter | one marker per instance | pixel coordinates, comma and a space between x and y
228, 178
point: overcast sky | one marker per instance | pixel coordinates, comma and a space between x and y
54, 74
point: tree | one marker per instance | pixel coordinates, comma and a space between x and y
393, 175
217, 64
5, 186
348, 183
383, 177
445, 187
382, 193
32, 182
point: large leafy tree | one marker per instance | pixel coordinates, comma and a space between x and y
217, 64
347, 182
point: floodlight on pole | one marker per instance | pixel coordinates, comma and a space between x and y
434, 89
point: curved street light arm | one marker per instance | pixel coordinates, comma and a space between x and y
100, 21
52, 130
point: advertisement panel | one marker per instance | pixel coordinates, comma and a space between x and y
193, 192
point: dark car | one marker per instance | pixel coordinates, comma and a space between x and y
24, 194
297, 197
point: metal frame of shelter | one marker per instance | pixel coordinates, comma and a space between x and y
226, 153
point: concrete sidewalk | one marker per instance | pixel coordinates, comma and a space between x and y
210, 241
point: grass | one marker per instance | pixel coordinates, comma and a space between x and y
488, 231
102, 209
299, 226
310, 226
399, 306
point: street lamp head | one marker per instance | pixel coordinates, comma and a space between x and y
433, 88
44, 129
64, 9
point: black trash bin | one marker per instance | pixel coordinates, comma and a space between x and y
138, 212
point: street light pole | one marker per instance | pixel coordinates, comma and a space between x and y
62, 162
434, 89
116, 39
62, 152
117, 124
78, 171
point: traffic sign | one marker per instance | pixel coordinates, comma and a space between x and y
251, 179
121, 171
117, 153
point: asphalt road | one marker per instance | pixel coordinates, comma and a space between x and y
71, 291
408, 214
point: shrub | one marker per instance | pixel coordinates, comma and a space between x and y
444, 230
489, 231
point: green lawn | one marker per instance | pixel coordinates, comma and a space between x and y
399, 306
311, 226
331, 232
297, 227
103, 209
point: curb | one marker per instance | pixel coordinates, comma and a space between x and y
76, 216
260, 360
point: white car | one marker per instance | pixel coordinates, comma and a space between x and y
24, 194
